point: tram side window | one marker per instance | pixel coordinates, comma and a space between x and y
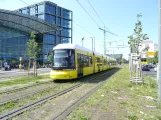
79, 59
86, 61
82, 60
98, 60
72, 59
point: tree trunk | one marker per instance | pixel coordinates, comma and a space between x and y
35, 68
29, 66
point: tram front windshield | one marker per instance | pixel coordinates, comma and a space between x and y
63, 59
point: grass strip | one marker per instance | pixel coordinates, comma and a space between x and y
118, 99
23, 80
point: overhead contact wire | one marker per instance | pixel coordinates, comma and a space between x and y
88, 14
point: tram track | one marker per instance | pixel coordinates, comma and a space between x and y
26, 95
23, 88
63, 114
45, 99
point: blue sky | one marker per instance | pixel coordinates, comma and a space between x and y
119, 17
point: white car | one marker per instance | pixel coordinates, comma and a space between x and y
156, 68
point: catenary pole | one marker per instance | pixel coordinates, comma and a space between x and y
92, 43
159, 72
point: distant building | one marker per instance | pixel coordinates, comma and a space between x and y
153, 47
147, 43
51, 23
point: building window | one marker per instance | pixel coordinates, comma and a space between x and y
28, 11
41, 8
65, 40
66, 32
24, 11
50, 18
41, 16
49, 39
58, 32
47, 48
59, 21
58, 40
66, 23
59, 11
32, 11
20, 11
50, 9
66, 14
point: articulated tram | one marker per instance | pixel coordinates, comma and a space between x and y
72, 61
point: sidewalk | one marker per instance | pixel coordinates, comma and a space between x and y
12, 70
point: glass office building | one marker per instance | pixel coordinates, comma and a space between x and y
13, 42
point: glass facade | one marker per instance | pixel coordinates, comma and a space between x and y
12, 44
48, 12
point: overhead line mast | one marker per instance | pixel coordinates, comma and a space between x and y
97, 23
104, 30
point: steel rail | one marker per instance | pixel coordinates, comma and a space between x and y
42, 100
26, 95
62, 115
23, 88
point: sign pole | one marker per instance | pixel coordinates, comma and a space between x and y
159, 54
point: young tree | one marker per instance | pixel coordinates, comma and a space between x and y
150, 60
156, 57
51, 58
32, 51
136, 39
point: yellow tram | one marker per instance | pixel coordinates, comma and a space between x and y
72, 61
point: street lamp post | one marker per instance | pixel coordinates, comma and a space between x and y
93, 43
159, 37
82, 41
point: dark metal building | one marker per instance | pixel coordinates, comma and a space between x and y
52, 25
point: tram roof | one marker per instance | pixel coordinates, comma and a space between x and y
74, 46
96, 53
71, 46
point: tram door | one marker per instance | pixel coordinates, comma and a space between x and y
98, 64
80, 65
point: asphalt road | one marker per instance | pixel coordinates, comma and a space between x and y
17, 72
150, 73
